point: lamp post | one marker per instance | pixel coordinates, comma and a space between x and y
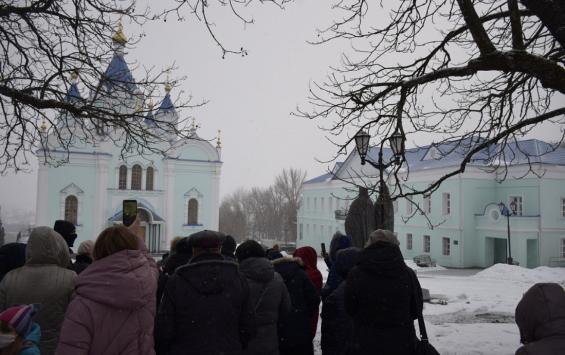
396, 144
507, 212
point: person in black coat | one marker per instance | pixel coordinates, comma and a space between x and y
12, 256
84, 256
269, 296
206, 308
295, 336
228, 248
382, 296
337, 326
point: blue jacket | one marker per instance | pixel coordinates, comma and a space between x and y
31, 341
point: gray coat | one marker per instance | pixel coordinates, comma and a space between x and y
270, 299
44, 279
540, 316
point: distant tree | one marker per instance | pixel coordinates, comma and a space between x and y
234, 216
480, 74
289, 185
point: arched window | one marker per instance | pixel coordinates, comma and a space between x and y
136, 177
122, 181
149, 179
71, 209
192, 211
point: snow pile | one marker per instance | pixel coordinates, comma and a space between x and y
411, 264
521, 274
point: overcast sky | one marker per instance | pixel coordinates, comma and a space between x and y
251, 98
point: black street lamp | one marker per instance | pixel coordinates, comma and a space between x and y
396, 144
506, 212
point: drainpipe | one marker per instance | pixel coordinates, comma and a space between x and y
461, 224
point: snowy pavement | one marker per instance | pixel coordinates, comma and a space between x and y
479, 316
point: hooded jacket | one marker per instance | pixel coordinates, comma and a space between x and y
294, 327
540, 316
205, 309
337, 326
379, 298
339, 242
113, 310
310, 260
270, 299
44, 279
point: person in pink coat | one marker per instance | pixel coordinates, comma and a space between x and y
113, 309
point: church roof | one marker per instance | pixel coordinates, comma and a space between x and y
119, 75
166, 105
451, 153
150, 119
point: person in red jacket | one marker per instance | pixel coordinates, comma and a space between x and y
310, 260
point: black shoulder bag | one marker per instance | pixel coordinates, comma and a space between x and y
422, 346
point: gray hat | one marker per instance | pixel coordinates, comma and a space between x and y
206, 239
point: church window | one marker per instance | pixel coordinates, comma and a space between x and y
71, 209
149, 179
136, 177
192, 211
122, 181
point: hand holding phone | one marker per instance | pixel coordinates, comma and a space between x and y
129, 212
324, 253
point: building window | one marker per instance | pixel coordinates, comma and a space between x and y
315, 203
446, 203
192, 211
446, 246
331, 204
308, 230
427, 244
515, 204
347, 198
307, 203
337, 203
395, 206
301, 231
123, 178
322, 205
136, 177
562, 207
563, 247
408, 241
149, 179
314, 230
408, 206
322, 230
71, 209
427, 204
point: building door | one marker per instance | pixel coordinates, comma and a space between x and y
500, 251
532, 252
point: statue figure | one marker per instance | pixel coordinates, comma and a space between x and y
360, 220
384, 207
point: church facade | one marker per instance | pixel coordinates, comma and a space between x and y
177, 193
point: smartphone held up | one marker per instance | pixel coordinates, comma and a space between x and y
129, 212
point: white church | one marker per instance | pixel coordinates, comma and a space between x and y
177, 194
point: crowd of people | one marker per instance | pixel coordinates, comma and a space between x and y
211, 296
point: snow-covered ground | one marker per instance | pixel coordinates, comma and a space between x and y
479, 316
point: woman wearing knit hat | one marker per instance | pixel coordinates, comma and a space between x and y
19, 335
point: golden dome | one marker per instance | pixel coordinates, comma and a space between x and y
119, 36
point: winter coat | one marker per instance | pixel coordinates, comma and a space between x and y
205, 309
31, 341
44, 279
339, 242
540, 316
337, 326
379, 298
294, 328
113, 310
82, 261
310, 259
12, 256
270, 299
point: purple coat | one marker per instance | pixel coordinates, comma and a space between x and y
113, 310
